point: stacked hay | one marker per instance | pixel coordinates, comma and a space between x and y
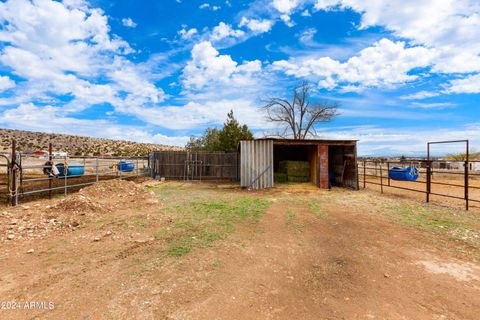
295, 171
280, 177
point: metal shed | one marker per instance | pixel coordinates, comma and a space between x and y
256, 164
331, 162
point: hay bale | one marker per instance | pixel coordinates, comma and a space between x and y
298, 179
280, 177
295, 168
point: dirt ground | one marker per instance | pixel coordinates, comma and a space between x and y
456, 189
120, 250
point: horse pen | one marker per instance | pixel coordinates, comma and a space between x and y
456, 184
25, 176
191, 242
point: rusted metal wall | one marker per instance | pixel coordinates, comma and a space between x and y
256, 164
323, 166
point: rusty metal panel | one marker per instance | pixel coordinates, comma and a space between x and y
256, 164
323, 170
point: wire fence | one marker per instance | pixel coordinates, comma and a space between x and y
30, 176
459, 180
4, 177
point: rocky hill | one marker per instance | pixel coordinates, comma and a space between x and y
29, 142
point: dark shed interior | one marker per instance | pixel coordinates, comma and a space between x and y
342, 166
341, 161
296, 153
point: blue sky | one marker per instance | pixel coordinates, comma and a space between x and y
404, 72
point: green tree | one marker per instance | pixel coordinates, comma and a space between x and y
209, 141
225, 139
232, 133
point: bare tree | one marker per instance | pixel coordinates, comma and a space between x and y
301, 115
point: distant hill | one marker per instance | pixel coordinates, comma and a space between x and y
28, 141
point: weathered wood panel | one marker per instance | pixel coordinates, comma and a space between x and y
184, 165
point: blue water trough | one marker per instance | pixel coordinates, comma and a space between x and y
403, 174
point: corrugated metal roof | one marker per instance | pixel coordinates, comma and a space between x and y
278, 141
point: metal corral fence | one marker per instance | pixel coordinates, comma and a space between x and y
459, 180
4, 177
434, 178
32, 176
185, 165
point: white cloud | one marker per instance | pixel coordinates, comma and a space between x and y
187, 34
306, 37
470, 84
58, 38
128, 22
432, 105
6, 83
87, 65
287, 20
208, 6
208, 68
385, 64
257, 26
306, 13
223, 31
285, 6
128, 79
52, 119
66, 49
326, 4
25, 23
420, 95
375, 140
208, 112
451, 27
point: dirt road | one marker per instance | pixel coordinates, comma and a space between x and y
308, 255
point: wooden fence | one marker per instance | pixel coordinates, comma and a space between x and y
185, 165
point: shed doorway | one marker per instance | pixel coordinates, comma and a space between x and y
295, 163
342, 169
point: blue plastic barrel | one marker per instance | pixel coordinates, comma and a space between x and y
125, 166
73, 169
403, 174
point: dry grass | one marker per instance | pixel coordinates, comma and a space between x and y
203, 248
